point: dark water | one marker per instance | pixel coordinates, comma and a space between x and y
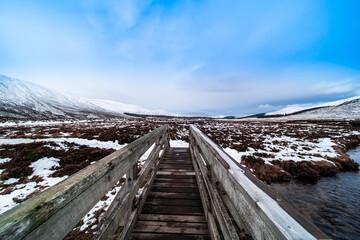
332, 203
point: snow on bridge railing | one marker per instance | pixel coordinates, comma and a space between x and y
256, 209
53, 213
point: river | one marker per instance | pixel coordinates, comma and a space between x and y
331, 203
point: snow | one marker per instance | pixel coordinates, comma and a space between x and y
145, 156
324, 148
33, 123
349, 111
80, 141
179, 144
4, 160
20, 96
119, 107
42, 167
11, 181
300, 107
89, 219
19, 191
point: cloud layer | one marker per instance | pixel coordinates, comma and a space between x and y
228, 57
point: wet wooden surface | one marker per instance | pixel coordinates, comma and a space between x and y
173, 208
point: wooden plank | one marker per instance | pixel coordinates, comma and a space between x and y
218, 209
174, 156
180, 210
171, 227
180, 166
176, 170
180, 162
36, 218
196, 225
174, 180
263, 218
124, 203
175, 189
173, 176
157, 236
175, 173
213, 228
171, 218
174, 195
173, 202
175, 184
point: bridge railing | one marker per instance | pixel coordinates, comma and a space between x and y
236, 202
53, 213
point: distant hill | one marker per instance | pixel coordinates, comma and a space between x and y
119, 107
348, 108
22, 99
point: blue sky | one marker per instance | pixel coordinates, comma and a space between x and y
215, 57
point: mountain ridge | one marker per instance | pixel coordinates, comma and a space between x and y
23, 99
344, 109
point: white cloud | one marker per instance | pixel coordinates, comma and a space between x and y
267, 107
336, 87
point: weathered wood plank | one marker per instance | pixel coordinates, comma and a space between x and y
261, 214
175, 184
196, 225
173, 202
171, 227
173, 176
180, 210
177, 166
157, 236
121, 207
175, 180
175, 189
172, 218
213, 228
173, 205
218, 209
174, 195
175, 170
68, 201
176, 173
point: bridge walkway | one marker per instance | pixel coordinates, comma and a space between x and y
173, 208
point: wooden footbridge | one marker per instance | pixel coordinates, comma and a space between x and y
178, 193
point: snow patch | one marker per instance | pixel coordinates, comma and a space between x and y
179, 144
300, 107
4, 160
42, 167
80, 141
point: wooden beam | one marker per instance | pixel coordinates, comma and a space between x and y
262, 215
57, 210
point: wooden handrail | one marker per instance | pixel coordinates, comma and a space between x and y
54, 213
254, 207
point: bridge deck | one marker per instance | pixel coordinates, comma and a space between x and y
173, 208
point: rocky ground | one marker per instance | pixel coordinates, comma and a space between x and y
36, 155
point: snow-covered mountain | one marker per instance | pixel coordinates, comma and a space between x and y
119, 107
348, 108
295, 108
22, 99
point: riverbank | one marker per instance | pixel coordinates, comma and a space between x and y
331, 203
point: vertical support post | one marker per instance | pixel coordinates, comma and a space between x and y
131, 175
